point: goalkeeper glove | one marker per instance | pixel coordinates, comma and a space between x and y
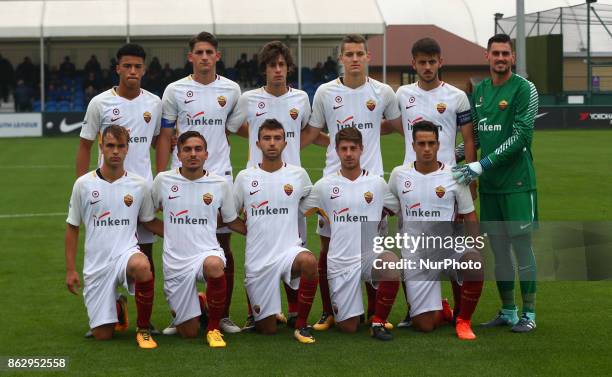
465, 174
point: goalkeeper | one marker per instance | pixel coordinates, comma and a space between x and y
503, 112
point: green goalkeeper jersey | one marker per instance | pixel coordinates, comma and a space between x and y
503, 118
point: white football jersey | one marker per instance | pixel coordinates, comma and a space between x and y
346, 205
110, 212
190, 216
445, 106
204, 108
141, 116
271, 203
339, 106
428, 197
292, 110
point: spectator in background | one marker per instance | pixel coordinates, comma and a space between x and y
253, 71
112, 71
23, 97
53, 77
167, 77
331, 68
220, 67
153, 82
67, 68
188, 68
93, 65
106, 81
155, 67
91, 80
242, 68
26, 71
90, 92
167, 70
318, 73
7, 78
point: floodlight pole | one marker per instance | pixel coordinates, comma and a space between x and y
42, 59
589, 68
521, 66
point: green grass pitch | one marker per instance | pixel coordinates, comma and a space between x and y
41, 318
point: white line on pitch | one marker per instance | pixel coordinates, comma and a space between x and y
18, 215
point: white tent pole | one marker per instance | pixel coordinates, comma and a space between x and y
384, 57
42, 59
521, 66
300, 61
127, 26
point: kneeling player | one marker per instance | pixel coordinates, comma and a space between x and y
110, 201
428, 196
191, 198
353, 200
270, 194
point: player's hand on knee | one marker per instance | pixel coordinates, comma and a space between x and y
73, 282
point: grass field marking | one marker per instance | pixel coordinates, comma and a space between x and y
21, 215
37, 167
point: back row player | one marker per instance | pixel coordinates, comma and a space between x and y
139, 112
202, 102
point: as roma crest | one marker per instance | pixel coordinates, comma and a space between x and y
368, 196
441, 107
371, 105
128, 200
440, 191
147, 116
288, 189
293, 113
207, 198
502, 104
221, 100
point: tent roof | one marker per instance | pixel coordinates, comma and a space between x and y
20, 19
247, 17
339, 17
166, 18
169, 17
95, 18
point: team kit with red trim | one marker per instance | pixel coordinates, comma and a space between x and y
202, 199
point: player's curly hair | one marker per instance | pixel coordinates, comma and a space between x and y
118, 132
349, 134
271, 51
188, 135
203, 37
131, 49
424, 126
426, 46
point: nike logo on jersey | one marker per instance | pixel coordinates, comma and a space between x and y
65, 127
254, 192
173, 197
540, 115
337, 107
114, 119
407, 107
189, 100
406, 191
332, 197
525, 226
94, 202
260, 114
478, 105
